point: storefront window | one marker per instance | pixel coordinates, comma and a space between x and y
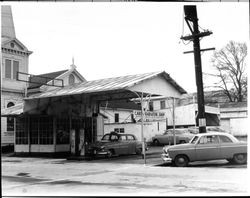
46, 130
34, 130
62, 131
41, 130
21, 131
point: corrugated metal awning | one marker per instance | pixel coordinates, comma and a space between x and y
104, 85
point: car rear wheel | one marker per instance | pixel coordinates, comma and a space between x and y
181, 161
240, 158
138, 151
156, 142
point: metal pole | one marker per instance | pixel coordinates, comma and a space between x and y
142, 135
142, 123
174, 121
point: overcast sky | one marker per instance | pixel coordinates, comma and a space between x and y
116, 39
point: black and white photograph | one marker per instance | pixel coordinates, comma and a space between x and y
124, 98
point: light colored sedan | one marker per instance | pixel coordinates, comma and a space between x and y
207, 146
181, 136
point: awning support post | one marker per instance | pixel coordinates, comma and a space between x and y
142, 134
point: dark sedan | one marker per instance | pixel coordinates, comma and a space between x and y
115, 144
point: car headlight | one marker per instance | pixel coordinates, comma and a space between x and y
102, 147
165, 149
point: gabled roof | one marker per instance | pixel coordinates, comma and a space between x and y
39, 80
108, 84
6, 40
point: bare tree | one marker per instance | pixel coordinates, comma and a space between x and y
230, 67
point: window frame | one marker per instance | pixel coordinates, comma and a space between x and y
72, 79
12, 68
116, 117
151, 106
10, 126
226, 138
15, 69
9, 74
163, 104
119, 130
209, 143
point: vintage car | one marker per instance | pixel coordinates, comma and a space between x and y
115, 144
207, 146
181, 136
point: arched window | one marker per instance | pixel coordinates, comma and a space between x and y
71, 79
10, 120
10, 104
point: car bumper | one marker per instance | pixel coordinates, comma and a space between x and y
166, 158
95, 153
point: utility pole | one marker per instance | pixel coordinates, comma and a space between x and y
191, 17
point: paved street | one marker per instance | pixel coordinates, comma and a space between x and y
124, 175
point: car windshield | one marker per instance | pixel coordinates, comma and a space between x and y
194, 139
172, 132
105, 137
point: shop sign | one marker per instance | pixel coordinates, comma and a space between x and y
149, 116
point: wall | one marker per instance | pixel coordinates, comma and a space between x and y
11, 90
7, 137
12, 84
239, 126
124, 115
150, 129
184, 115
100, 127
65, 78
163, 88
235, 120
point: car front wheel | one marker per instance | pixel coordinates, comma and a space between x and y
240, 158
181, 161
110, 153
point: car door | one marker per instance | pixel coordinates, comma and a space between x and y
207, 148
227, 147
123, 144
131, 144
115, 144
167, 138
